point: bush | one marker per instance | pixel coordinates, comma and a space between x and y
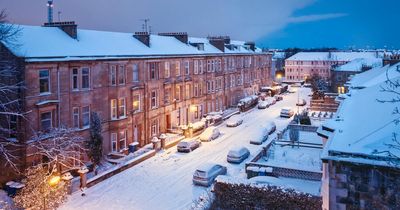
241, 196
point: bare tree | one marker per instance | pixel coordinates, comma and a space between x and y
392, 86
11, 86
61, 147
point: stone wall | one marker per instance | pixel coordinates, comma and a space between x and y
363, 187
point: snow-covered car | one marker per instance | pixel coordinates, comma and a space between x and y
271, 126
237, 154
263, 105
287, 112
271, 100
188, 145
206, 174
234, 121
262, 138
209, 134
292, 90
301, 102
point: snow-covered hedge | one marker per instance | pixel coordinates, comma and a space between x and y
232, 196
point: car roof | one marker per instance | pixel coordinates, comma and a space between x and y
206, 166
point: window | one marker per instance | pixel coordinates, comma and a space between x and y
44, 80
196, 67
121, 75
187, 67
196, 90
121, 108
201, 67
136, 103
154, 127
75, 77
113, 75
122, 140
187, 91
86, 117
135, 73
46, 121
114, 114
167, 70
167, 95
85, 78
177, 68
153, 70
75, 117
153, 97
113, 142
209, 66
200, 89
178, 92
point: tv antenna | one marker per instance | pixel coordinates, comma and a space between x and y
145, 25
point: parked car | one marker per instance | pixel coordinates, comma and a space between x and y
271, 126
263, 105
287, 112
292, 90
209, 134
206, 174
301, 102
271, 100
234, 121
278, 97
261, 139
188, 145
237, 154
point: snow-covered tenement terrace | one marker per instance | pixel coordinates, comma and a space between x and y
165, 181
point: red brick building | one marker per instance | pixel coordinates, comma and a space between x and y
141, 84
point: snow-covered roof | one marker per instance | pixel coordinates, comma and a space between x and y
333, 56
364, 126
357, 64
373, 76
36, 43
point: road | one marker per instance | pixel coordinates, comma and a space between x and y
165, 181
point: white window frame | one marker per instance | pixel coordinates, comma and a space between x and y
73, 78
187, 67
138, 96
122, 141
121, 71
51, 120
88, 76
122, 106
113, 75
48, 81
196, 67
167, 70
135, 72
75, 117
177, 68
155, 98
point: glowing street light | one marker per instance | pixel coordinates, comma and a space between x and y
54, 180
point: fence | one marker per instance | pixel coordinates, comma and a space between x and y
305, 128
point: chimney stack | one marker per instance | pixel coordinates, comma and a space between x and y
181, 36
252, 45
69, 27
219, 41
143, 37
50, 11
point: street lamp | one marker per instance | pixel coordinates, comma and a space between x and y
52, 182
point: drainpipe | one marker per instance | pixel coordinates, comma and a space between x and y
58, 94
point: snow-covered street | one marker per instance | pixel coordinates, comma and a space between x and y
165, 181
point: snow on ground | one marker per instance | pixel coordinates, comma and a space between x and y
306, 137
165, 181
301, 158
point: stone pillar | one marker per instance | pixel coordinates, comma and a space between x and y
163, 138
156, 143
67, 177
83, 175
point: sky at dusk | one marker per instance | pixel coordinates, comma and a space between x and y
272, 23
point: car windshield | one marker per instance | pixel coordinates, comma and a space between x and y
200, 173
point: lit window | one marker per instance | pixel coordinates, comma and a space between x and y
122, 140
122, 107
114, 109
136, 103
